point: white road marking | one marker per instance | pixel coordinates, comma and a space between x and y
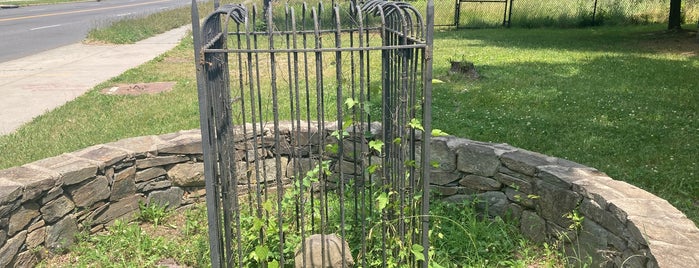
44, 27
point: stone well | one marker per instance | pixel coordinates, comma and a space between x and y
44, 203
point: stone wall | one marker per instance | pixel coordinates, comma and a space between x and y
45, 203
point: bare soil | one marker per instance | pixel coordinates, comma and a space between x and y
139, 88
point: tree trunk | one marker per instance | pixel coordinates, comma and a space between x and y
675, 18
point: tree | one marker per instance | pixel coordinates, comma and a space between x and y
675, 18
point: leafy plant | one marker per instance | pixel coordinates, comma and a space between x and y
152, 212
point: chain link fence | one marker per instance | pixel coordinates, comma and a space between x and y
544, 13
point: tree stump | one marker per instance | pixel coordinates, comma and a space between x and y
464, 67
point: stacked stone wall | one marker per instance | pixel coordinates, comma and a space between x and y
45, 203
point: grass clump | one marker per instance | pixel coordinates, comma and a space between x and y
134, 29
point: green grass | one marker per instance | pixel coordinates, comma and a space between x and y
133, 245
134, 29
460, 239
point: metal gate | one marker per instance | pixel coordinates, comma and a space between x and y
315, 121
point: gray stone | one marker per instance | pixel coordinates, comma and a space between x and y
33, 181
513, 213
27, 258
22, 217
268, 167
514, 182
36, 238
3, 237
91, 192
677, 231
593, 241
442, 155
526, 162
477, 159
444, 177
9, 191
172, 198
183, 142
519, 197
493, 202
555, 202
460, 198
599, 191
187, 174
347, 167
150, 174
105, 155
73, 170
565, 177
318, 247
255, 154
126, 208
642, 207
10, 249
299, 167
303, 136
567, 234
352, 150
36, 225
56, 209
138, 146
595, 212
124, 184
533, 226
153, 185
480, 183
672, 255
160, 161
61, 235
52, 194
444, 190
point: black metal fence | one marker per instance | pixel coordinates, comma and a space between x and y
297, 172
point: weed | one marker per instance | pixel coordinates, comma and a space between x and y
152, 212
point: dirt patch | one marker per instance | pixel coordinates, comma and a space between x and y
681, 42
139, 88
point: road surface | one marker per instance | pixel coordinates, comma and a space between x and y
29, 30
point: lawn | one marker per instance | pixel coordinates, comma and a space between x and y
621, 99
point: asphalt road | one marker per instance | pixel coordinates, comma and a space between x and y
29, 30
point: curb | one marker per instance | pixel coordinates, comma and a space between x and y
8, 6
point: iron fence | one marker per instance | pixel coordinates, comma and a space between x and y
297, 171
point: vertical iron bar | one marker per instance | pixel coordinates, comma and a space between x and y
207, 152
339, 103
427, 125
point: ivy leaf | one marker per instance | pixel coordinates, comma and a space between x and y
415, 123
417, 252
350, 102
261, 252
439, 133
273, 264
376, 145
397, 140
372, 168
382, 201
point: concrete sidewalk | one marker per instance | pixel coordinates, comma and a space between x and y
36, 84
